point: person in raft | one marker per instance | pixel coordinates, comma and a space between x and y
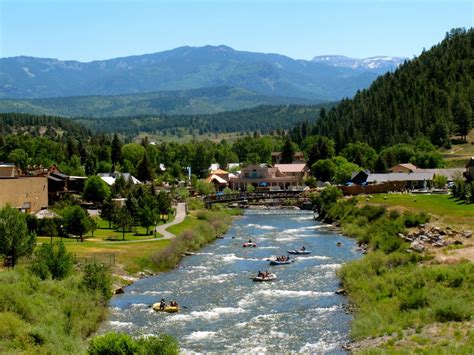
303, 248
162, 304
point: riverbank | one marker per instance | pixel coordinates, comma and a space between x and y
404, 300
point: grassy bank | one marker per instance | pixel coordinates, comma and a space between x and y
445, 209
47, 316
404, 302
199, 228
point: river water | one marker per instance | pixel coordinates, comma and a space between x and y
227, 312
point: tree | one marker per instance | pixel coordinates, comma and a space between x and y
204, 188
108, 210
52, 260
124, 220
116, 150
440, 181
19, 157
462, 113
164, 204
97, 278
144, 170
148, 214
15, 240
75, 221
95, 189
323, 170
287, 152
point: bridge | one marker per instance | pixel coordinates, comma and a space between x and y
252, 196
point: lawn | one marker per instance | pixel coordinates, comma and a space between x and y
446, 210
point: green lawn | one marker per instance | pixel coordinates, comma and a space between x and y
447, 210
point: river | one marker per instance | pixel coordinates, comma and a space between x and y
227, 312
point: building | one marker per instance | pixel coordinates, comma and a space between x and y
299, 170
449, 174
27, 193
60, 184
411, 180
263, 176
403, 168
219, 178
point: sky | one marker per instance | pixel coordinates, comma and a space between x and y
87, 30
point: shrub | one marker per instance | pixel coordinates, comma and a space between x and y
163, 344
452, 310
113, 344
411, 219
413, 299
97, 278
52, 260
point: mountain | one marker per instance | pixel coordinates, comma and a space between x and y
429, 96
379, 65
195, 101
183, 68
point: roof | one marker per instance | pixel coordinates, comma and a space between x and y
450, 174
216, 178
46, 214
219, 171
399, 177
126, 176
290, 168
109, 180
54, 178
406, 165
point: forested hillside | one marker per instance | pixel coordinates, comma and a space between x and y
41, 125
263, 118
196, 101
431, 95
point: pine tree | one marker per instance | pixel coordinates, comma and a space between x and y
287, 152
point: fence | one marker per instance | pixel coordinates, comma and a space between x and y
107, 259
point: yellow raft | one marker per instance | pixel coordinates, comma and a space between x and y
168, 309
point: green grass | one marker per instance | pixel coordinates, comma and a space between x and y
46, 317
448, 210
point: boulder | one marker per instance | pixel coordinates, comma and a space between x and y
119, 291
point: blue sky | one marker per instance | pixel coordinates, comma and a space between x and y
86, 30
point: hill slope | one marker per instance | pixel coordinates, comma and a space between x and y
182, 68
196, 101
262, 118
431, 95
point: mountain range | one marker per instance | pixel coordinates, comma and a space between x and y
187, 68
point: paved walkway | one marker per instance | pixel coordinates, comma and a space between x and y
180, 215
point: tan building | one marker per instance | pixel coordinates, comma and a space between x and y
298, 170
9, 170
263, 176
30, 194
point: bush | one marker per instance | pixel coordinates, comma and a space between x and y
52, 260
411, 219
97, 278
452, 310
113, 344
415, 299
123, 344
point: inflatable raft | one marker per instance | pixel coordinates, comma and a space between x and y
167, 309
270, 277
250, 245
299, 252
276, 262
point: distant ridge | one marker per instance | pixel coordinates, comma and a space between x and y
183, 68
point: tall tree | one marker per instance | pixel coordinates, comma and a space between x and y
15, 240
95, 189
75, 221
116, 150
287, 152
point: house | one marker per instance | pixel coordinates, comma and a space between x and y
299, 170
27, 193
263, 176
403, 168
110, 178
298, 157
